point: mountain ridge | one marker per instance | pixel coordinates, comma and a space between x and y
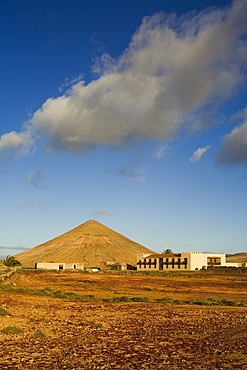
237, 257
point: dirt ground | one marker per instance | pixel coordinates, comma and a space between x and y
65, 334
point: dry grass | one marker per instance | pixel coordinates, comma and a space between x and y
196, 285
69, 334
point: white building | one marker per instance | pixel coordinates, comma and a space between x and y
181, 261
118, 266
59, 266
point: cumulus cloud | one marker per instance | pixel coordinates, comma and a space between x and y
172, 73
36, 179
234, 148
197, 155
14, 141
102, 212
70, 82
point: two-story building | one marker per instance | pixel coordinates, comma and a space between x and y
181, 261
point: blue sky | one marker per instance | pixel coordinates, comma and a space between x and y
132, 113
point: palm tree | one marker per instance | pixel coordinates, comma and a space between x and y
11, 261
167, 251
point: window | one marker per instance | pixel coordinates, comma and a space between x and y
74, 266
214, 261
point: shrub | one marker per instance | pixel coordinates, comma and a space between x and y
165, 300
40, 334
201, 302
141, 299
12, 330
97, 325
127, 299
4, 312
121, 299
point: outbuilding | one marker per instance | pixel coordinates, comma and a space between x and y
59, 266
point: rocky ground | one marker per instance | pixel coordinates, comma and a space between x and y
62, 334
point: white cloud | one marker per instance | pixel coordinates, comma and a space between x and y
234, 149
14, 141
173, 71
197, 155
70, 82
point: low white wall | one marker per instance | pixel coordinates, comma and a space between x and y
59, 266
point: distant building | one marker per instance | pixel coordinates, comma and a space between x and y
93, 269
118, 266
59, 266
181, 261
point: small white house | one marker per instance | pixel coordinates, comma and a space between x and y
59, 266
181, 261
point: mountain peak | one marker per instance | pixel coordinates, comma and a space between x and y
89, 243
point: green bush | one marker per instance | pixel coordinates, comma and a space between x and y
97, 325
141, 299
127, 299
40, 334
4, 312
165, 300
48, 292
120, 299
12, 330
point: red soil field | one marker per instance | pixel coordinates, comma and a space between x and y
69, 334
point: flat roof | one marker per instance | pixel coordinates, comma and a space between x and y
157, 255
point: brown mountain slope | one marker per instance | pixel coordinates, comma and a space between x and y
237, 257
90, 243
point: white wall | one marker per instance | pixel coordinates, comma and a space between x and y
195, 260
56, 265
